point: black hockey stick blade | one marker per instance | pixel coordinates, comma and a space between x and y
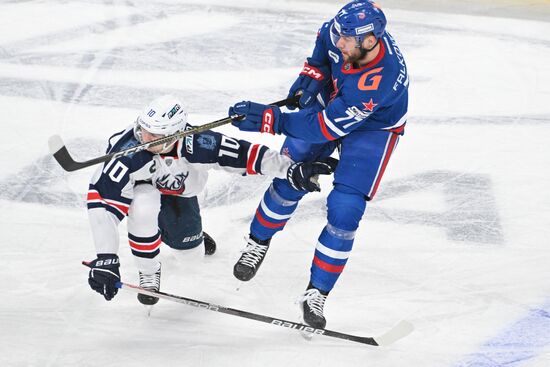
397, 332
66, 161
63, 157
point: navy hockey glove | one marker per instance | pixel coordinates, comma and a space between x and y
304, 175
256, 117
104, 274
310, 82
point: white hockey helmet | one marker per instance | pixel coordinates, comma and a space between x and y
163, 116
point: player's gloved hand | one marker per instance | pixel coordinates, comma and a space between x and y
104, 274
305, 175
312, 79
256, 117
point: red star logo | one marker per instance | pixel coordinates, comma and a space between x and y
369, 106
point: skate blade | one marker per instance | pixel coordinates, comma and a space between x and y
148, 309
306, 335
239, 285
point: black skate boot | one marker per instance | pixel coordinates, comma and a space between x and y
149, 282
209, 244
312, 303
251, 258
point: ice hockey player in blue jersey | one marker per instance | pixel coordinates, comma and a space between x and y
353, 97
156, 189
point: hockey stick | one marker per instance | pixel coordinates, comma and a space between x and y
399, 331
63, 157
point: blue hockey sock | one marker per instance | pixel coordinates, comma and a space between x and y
345, 209
275, 209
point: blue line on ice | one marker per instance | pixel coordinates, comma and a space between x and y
520, 342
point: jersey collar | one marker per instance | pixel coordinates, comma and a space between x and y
371, 64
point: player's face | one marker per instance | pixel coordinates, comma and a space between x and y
348, 47
146, 137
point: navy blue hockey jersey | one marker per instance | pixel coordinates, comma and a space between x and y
183, 173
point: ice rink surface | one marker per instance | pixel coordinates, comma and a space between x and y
457, 240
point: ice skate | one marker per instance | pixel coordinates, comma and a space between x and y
251, 258
209, 244
150, 282
311, 304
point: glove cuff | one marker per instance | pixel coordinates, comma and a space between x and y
107, 261
312, 72
107, 256
271, 120
290, 176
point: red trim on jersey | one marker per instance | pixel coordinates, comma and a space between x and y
142, 247
172, 192
389, 151
323, 126
266, 223
371, 64
398, 130
94, 195
252, 159
326, 266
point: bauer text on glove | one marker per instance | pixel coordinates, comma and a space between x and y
104, 274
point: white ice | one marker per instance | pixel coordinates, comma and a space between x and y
456, 241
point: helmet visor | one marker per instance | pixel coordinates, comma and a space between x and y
140, 132
335, 33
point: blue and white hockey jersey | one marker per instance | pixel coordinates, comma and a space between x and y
372, 97
183, 172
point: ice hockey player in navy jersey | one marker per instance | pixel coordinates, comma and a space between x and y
156, 189
353, 96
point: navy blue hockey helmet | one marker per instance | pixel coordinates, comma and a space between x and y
358, 19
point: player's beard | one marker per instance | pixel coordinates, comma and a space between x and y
354, 57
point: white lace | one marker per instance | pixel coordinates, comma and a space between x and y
253, 253
315, 300
150, 281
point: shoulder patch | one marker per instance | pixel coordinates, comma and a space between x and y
206, 141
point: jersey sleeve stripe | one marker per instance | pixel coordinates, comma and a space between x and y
323, 127
332, 126
117, 213
261, 152
252, 158
95, 197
